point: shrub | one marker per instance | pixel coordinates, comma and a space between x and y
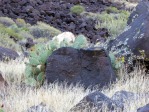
39, 32
12, 32
43, 30
115, 23
35, 69
77, 9
21, 23
6, 21
25, 34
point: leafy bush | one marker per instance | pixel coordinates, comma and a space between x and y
35, 69
77, 9
43, 30
6, 21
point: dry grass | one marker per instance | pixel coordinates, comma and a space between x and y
61, 99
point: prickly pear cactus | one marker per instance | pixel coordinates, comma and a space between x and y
1, 110
117, 62
35, 69
80, 42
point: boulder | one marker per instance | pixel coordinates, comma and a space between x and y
141, 8
144, 108
123, 97
39, 108
96, 102
135, 38
7, 53
90, 67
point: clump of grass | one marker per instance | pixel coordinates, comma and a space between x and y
77, 9
112, 10
13, 71
21, 23
26, 34
62, 98
43, 30
7, 42
11, 32
115, 23
6, 21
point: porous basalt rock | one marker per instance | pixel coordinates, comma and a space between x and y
6, 53
57, 14
89, 67
135, 38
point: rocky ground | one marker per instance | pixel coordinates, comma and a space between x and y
58, 14
44, 69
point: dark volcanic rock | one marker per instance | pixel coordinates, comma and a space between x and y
144, 108
89, 67
141, 8
135, 38
7, 53
56, 13
95, 102
123, 97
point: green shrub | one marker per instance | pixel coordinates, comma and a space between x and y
11, 32
6, 21
77, 9
20, 22
43, 30
115, 23
35, 69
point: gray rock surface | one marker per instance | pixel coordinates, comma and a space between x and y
7, 53
95, 102
135, 38
144, 108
